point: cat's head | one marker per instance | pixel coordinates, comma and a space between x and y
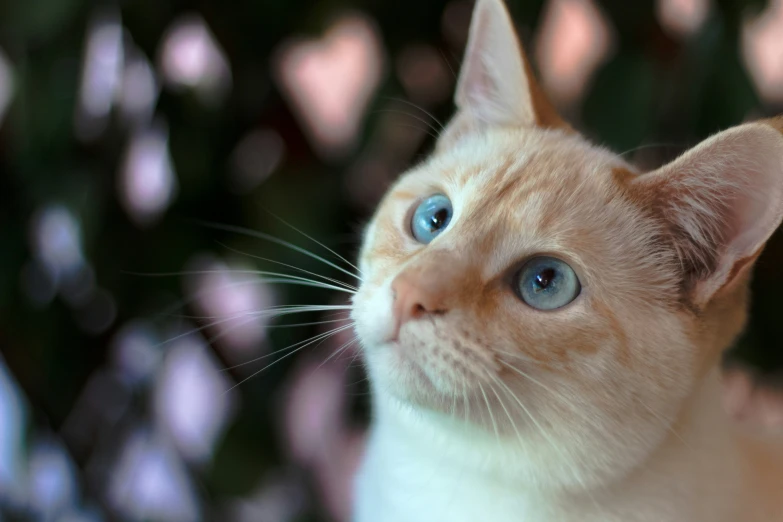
526, 284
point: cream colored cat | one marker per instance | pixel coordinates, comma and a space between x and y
542, 324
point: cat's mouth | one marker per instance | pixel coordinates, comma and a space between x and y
425, 357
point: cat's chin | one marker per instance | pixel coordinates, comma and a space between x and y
399, 375
403, 378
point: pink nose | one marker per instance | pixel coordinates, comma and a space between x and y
416, 296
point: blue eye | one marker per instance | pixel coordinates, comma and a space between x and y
547, 283
430, 218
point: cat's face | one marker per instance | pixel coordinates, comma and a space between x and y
585, 369
593, 374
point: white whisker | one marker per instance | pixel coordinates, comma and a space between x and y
415, 106
251, 315
565, 458
489, 410
330, 279
273, 239
339, 350
319, 338
276, 277
502, 405
422, 120
341, 258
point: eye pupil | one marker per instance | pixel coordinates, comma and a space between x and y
545, 277
439, 218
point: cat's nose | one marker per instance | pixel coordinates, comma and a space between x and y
415, 297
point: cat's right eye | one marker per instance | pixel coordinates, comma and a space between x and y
431, 217
546, 283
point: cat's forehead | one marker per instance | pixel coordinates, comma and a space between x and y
519, 173
513, 192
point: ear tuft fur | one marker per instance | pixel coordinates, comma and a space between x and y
720, 202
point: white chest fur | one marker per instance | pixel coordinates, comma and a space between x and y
410, 475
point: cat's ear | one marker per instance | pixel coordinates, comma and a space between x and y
496, 86
720, 202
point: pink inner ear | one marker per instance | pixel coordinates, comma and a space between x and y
751, 210
493, 85
750, 158
726, 196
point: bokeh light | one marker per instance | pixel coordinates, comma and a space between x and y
193, 399
763, 51
573, 39
231, 299
329, 82
6, 85
52, 484
101, 404
281, 497
147, 183
151, 482
455, 22
682, 17
190, 57
56, 240
136, 351
425, 74
13, 418
255, 158
101, 72
139, 89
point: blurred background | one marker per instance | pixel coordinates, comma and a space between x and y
155, 360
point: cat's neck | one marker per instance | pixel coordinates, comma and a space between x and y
700, 452
699, 457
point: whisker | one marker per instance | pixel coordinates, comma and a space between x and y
316, 242
448, 64
666, 424
345, 317
516, 355
544, 433
489, 410
649, 146
466, 400
304, 282
320, 338
454, 402
335, 353
314, 323
417, 118
528, 377
314, 338
251, 315
356, 354
167, 312
272, 239
224, 332
554, 394
331, 279
407, 102
276, 277
426, 131
502, 405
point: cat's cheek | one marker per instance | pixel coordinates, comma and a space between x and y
372, 312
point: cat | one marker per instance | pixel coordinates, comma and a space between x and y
542, 324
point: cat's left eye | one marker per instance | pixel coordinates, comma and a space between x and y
431, 217
547, 283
